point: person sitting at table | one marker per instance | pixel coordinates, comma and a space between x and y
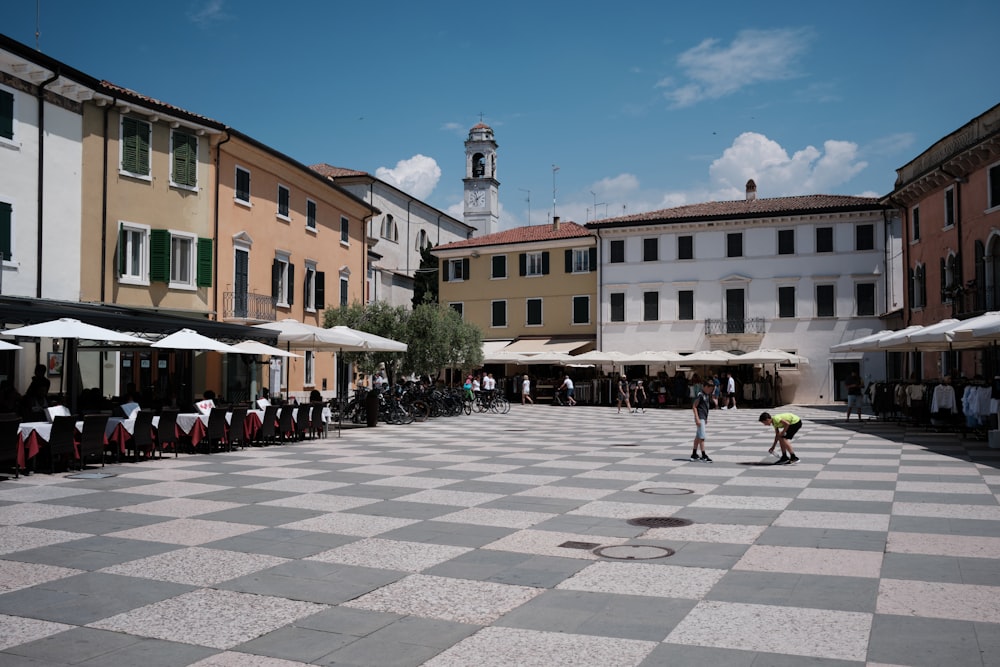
315, 396
36, 397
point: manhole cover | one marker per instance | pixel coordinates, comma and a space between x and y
579, 545
633, 552
90, 475
660, 522
666, 491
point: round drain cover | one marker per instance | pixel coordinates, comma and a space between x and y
666, 491
660, 522
90, 475
633, 552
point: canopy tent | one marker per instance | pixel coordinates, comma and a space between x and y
768, 357
189, 339
708, 358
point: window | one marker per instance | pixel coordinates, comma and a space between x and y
344, 291
8, 117
786, 241
135, 146
390, 230
617, 249
282, 280
498, 266
864, 237
457, 269
951, 281
824, 239
581, 310
865, 299
650, 306
650, 250
309, 378
786, 301
458, 307
915, 222
918, 287
949, 207
345, 231
423, 241
685, 305
734, 244
133, 254
181, 260
309, 287
6, 227
498, 314
283, 196
534, 314
824, 301
617, 302
581, 260
242, 185
183, 159
534, 263
310, 214
993, 176
685, 247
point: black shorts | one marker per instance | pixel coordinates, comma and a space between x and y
792, 430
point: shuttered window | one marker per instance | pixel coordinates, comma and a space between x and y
204, 263
6, 115
184, 159
6, 214
135, 146
159, 255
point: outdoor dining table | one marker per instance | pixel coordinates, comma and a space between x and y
32, 436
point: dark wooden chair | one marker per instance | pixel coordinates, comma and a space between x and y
238, 428
62, 441
268, 434
166, 431
142, 434
216, 431
94, 437
286, 427
302, 421
8, 443
317, 425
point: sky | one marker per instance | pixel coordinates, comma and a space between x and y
600, 109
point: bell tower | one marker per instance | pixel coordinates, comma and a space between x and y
482, 198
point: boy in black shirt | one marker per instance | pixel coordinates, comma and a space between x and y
700, 408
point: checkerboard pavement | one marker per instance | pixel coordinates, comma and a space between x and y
483, 540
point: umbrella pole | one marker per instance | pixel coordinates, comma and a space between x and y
340, 398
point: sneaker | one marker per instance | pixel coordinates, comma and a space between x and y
792, 461
782, 461
704, 457
694, 457
723, 408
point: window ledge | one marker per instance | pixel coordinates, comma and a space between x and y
312, 230
139, 177
131, 280
187, 188
10, 144
242, 202
283, 218
187, 287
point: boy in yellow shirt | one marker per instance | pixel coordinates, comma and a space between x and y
786, 425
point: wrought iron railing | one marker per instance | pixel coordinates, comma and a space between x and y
249, 306
749, 325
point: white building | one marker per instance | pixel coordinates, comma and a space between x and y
397, 235
798, 274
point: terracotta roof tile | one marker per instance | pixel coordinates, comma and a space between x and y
532, 234
744, 208
330, 171
112, 88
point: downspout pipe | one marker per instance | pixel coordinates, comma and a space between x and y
41, 176
104, 202
218, 170
599, 312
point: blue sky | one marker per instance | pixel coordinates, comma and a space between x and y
640, 105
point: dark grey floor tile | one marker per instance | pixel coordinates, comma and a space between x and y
929, 642
370, 652
296, 643
102, 522
107, 501
405, 510
261, 515
853, 506
944, 569
313, 581
590, 525
74, 646
91, 553
448, 533
253, 543
243, 496
943, 526
797, 590
787, 536
505, 567
678, 654
348, 621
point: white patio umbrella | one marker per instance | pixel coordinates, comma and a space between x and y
373, 342
709, 358
541, 358
301, 336
934, 337
189, 339
72, 331
4, 345
768, 357
977, 331
898, 341
256, 347
855, 344
612, 357
501, 357
649, 357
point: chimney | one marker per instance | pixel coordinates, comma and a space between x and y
555, 223
751, 190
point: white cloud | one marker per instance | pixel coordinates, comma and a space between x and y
207, 13
417, 176
713, 70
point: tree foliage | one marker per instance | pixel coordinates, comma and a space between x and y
425, 282
378, 318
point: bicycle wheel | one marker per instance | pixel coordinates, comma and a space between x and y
504, 406
467, 407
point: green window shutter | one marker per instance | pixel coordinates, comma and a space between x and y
159, 256
205, 257
291, 283
6, 115
185, 163
320, 290
6, 213
135, 146
122, 250
569, 261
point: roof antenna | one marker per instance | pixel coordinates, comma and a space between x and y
38, 12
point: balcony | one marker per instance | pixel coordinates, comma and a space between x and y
728, 327
248, 307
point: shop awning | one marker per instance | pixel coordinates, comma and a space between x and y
549, 344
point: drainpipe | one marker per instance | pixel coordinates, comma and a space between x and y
104, 202
600, 290
218, 169
41, 176
409, 202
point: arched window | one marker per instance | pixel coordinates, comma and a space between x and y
478, 165
992, 271
390, 230
979, 258
422, 240
918, 287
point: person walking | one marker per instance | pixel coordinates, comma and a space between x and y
730, 392
702, 404
526, 390
785, 425
639, 397
567, 386
854, 395
623, 394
